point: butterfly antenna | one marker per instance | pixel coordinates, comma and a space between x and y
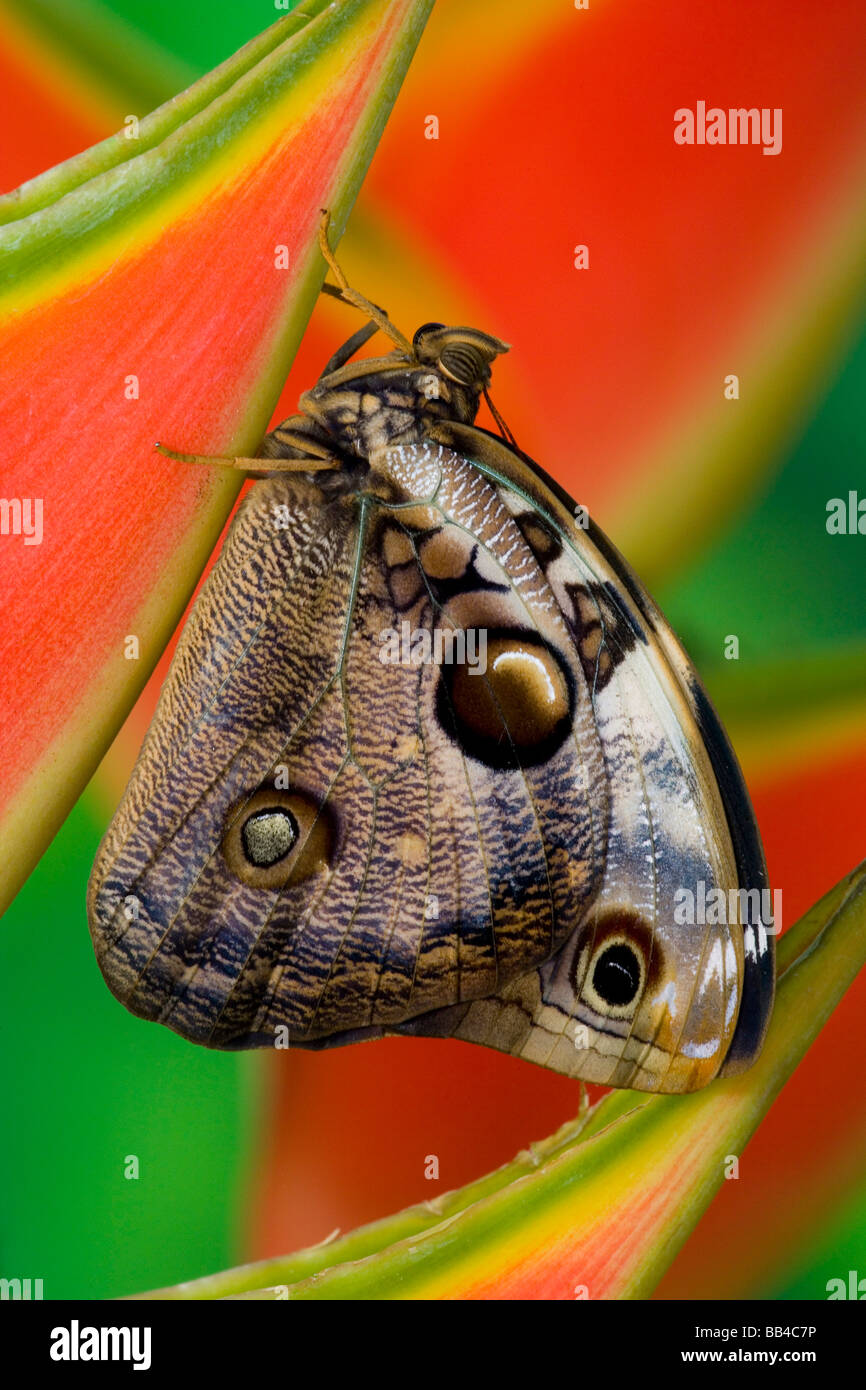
350, 296
503, 428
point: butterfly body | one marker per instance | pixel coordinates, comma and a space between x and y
479, 831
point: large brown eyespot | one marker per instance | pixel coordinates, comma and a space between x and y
516, 711
277, 837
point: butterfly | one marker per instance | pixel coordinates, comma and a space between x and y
429, 761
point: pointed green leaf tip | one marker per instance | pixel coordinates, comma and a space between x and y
600, 1209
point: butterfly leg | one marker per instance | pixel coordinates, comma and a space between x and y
299, 444
350, 296
351, 345
302, 459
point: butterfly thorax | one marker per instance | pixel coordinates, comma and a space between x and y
365, 407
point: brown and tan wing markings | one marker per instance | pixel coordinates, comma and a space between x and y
449, 852
187, 758
207, 940
658, 751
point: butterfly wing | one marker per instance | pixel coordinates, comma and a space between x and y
642, 995
337, 829
303, 844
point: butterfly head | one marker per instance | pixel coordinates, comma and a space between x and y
461, 355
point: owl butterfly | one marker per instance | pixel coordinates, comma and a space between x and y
429, 760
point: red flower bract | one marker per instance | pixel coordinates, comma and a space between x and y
158, 295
